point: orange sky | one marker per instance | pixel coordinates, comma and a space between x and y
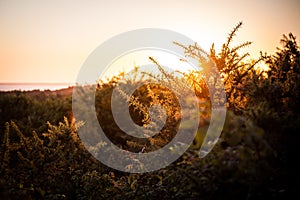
47, 41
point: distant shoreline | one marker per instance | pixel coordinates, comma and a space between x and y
5, 87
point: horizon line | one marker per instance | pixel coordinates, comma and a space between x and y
36, 83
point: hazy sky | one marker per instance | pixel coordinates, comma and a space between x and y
48, 41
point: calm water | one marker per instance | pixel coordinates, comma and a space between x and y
32, 86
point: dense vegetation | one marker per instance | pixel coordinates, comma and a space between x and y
42, 157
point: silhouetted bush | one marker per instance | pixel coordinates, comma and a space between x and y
42, 157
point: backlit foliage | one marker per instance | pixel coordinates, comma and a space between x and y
233, 68
42, 157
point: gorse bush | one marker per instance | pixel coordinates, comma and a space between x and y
279, 87
162, 90
233, 68
28, 109
47, 160
58, 167
34, 165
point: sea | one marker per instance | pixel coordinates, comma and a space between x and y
33, 86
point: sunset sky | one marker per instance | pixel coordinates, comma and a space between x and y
48, 41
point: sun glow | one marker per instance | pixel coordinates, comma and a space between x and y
129, 61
